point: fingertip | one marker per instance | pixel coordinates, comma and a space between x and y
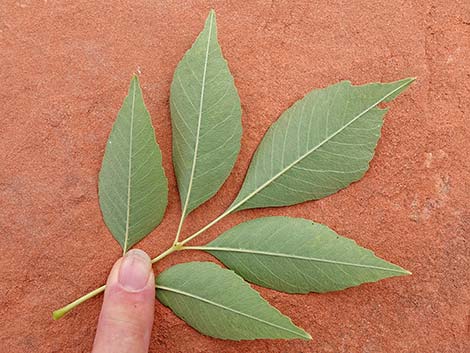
126, 317
134, 271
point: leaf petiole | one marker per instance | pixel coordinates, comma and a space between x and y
166, 253
57, 314
206, 227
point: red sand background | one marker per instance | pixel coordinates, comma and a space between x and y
64, 70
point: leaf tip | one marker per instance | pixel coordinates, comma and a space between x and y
211, 17
409, 80
135, 84
135, 79
405, 82
401, 271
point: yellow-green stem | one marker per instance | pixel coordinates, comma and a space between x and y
62, 311
57, 314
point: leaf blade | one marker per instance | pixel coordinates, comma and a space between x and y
206, 141
296, 255
281, 177
133, 191
216, 302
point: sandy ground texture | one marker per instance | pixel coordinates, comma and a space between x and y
64, 70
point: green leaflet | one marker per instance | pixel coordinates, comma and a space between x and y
218, 303
295, 255
320, 145
206, 120
133, 189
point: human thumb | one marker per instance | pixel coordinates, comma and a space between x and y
126, 318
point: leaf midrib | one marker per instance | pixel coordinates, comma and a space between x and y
201, 101
291, 256
129, 175
208, 301
269, 181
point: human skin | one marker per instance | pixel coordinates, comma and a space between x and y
126, 318
65, 70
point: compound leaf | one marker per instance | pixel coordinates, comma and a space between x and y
320, 145
206, 120
218, 303
133, 189
296, 255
